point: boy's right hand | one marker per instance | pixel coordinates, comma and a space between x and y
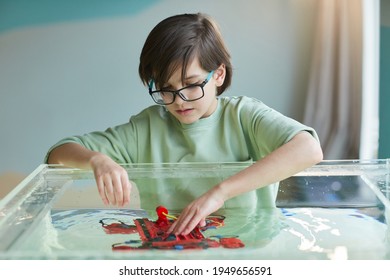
112, 180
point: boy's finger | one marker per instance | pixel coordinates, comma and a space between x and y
118, 190
109, 191
102, 193
126, 191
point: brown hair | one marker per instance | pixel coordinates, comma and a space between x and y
176, 41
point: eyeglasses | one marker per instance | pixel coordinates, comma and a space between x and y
188, 93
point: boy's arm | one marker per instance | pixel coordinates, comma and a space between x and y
301, 152
111, 179
72, 155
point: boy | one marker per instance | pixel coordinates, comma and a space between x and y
186, 66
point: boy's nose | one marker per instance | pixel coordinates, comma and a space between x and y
178, 100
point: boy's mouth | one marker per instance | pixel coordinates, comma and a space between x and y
184, 112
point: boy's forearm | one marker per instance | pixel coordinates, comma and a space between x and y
300, 153
72, 155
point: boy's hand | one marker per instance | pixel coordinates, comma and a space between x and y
196, 212
112, 180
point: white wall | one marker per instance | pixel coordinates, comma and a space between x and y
69, 77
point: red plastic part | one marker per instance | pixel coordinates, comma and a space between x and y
117, 228
162, 218
231, 242
161, 210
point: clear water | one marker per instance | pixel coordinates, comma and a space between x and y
281, 233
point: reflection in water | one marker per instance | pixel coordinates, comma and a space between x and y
270, 233
349, 233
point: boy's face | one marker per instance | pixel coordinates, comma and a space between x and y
189, 112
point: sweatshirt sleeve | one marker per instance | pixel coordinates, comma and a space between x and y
269, 129
118, 142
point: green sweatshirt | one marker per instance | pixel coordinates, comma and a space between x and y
242, 129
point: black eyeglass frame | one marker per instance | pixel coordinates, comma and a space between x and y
177, 92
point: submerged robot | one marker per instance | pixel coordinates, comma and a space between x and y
153, 234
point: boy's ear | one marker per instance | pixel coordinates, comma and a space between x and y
219, 75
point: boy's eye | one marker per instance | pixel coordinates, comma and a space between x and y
187, 84
193, 82
166, 87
